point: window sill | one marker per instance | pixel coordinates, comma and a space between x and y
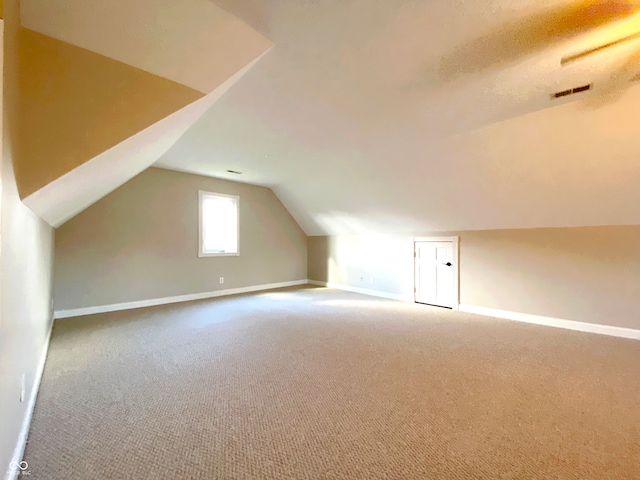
218, 254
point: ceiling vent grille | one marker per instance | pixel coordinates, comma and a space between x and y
572, 91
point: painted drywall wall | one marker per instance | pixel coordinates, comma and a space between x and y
75, 104
587, 274
25, 273
65, 197
141, 242
192, 42
345, 259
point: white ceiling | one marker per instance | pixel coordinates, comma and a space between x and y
192, 42
399, 116
405, 115
65, 197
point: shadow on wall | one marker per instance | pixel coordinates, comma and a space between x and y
76, 104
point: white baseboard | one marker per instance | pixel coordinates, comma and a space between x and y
554, 322
364, 291
76, 312
18, 452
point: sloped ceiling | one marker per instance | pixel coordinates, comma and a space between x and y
107, 88
76, 104
192, 42
408, 116
84, 185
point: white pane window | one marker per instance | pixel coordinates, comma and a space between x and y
218, 224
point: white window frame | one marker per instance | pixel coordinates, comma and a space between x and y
201, 252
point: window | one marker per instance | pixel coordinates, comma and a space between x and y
218, 224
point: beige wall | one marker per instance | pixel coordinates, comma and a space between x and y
141, 242
587, 274
345, 259
76, 104
25, 273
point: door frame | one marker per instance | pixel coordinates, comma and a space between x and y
455, 242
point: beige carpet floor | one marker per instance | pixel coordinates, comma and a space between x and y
312, 383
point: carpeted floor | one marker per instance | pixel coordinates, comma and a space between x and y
312, 383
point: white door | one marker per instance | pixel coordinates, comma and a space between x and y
435, 270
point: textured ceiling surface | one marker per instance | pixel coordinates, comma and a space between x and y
404, 116
192, 42
395, 115
92, 142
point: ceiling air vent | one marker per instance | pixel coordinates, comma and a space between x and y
572, 91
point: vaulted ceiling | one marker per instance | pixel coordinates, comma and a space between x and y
407, 115
395, 115
105, 89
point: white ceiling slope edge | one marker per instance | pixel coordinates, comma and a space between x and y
192, 42
569, 166
414, 116
67, 196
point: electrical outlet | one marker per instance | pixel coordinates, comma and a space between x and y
221, 279
23, 387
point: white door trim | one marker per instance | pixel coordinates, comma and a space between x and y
455, 241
